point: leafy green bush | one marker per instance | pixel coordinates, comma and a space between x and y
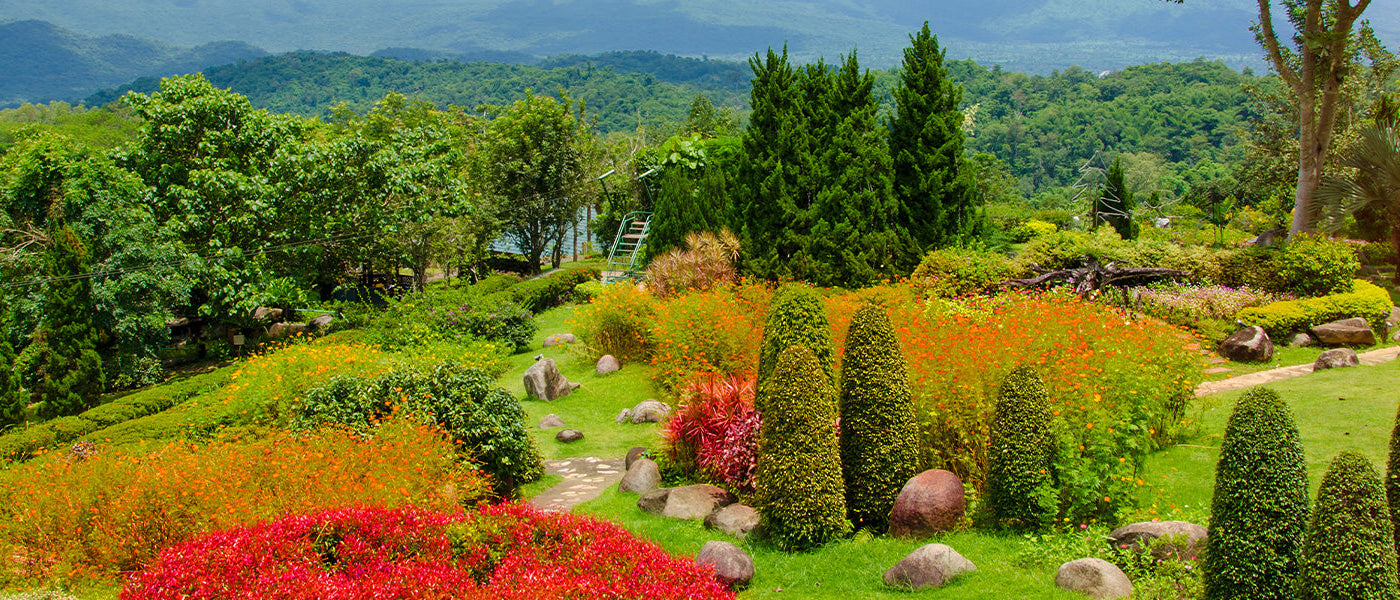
1020, 490
495, 283
953, 272
500, 321
1030, 230
1315, 266
797, 318
1281, 318
1259, 513
1392, 481
585, 292
879, 434
617, 322
798, 487
484, 421
1350, 551
551, 290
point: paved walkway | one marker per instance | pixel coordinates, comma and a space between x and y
585, 478
1374, 357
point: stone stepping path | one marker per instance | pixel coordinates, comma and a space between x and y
1374, 357
585, 478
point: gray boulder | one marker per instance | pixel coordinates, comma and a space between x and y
321, 321
568, 436
930, 502
1095, 578
1164, 539
1346, 332
932, 565
607, 364
736, 520
642, 477
550, 421
650, 411
733, 567
654, 502
266, 314
285, 329
558, 339
632, 455
1250, 344
1302, 340
544, 381
695, 502
624, 416
1337, 358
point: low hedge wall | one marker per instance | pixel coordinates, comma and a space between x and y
1282, 318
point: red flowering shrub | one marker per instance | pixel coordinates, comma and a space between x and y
502, 552
715, 430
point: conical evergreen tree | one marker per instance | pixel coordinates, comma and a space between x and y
1115, 204
12, 398
879, 435
1392, 482
1020, 487
69, 376
796, 318
935, 187
770, 204
1350, 551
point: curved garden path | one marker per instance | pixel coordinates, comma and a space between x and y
1374, 357
584, 479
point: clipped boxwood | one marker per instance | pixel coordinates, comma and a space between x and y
797, 318
798, 489
1020, 490
1366, 300
1350, 551
1392, 482
1259, 513
879, 434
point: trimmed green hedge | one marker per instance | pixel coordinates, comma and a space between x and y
1020, 490
1392, 481
1350, 552
548, 291
1282, 318
797, 318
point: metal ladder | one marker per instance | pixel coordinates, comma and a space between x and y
625, 256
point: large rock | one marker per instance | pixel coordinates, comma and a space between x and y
1165, 539
1346, 332
650, 411
607, 364
733, 567
632, 455
736, 520
1337, 358
321, 321
568, 436
285, 329
558, 339
642, 477
544, 381
654, 502
1250, 344
932, 565
931, 502
266, 314
551, 421
1095, 578
695, 502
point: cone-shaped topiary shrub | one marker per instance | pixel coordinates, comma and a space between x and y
1020, 490
879, 436
1392, 481
798, 488
1350, 550
1259, 513
797, 318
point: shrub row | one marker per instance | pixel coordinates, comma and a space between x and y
1282, 318
548, 291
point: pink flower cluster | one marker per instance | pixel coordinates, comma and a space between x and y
719, 425
367, 553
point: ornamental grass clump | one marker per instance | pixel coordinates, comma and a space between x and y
799, 492
1259, 513
879, 436
797, 318
1020, 491
1350, 550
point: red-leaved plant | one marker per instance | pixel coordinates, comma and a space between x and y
503, 552
715, 431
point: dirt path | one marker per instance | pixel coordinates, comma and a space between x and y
585, 478
1374, 357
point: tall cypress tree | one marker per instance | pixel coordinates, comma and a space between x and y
69, 377
12, 400
1116, 204
770, 202
934, 185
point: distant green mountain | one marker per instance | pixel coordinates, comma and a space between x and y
1022, 35
43, 62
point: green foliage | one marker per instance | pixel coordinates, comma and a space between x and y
68, 377
555, 289
798, 486
879, 434
1259, 512
797, 318
1392, 482
956, 272
12, 398
1032, 229
585, 292
694, 193
1020, 491
1350, 550
1116, 204
487, 423
1281, 318
1314, 266
618, 322
934, 184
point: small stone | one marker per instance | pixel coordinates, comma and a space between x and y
1337, 358
1181, 540
642, 477
1095, 578
695, 502
1302, 340
559, 338
550, 421
568, 436
733, 567
632, 455
736, 520
654, 502
931, 565
607, 365
929, 503
650, 411
1250, 344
